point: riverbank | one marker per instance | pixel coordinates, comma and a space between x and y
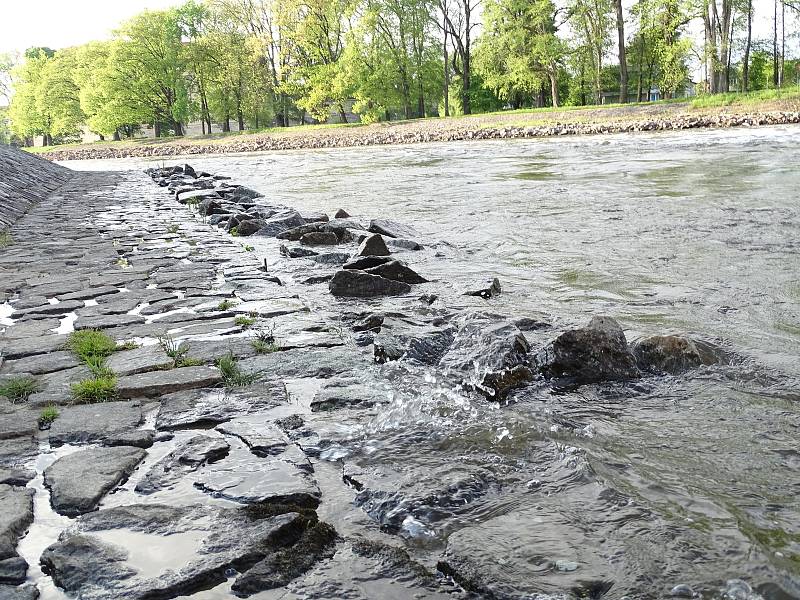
738, 111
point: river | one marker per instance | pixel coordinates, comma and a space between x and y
686, 480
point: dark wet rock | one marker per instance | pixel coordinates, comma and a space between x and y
279, 476
17, 477
373, 246
280, 223
41, 364
485, 291
192, 408
402, 244
157, 383
139, 360
263, 439
16, 516
672, 354
490, 356
316, 279
108, 321
363, 263
341, 214
89, 293
597, 352
250, 226
78, 481
140, 438
315, 217
371, 322
96, 560
90, 423
531, 324
18, 451
319, 238
346, 392
422, 344
331, 258
296, 233
188, 170
241, 193
279, 568
359, 284
296, 252
392, 229
27, 591
189, 456
397, 271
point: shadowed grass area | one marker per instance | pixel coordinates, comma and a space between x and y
19, 389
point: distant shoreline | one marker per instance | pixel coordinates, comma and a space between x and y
599, 121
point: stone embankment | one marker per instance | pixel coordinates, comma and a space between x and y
24, 182
421, 132
168, 390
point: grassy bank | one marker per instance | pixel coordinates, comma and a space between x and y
667, 114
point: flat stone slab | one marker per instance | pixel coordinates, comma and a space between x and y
27, 591
14, 476
157, 383
89, 423
12, 349
107, 321
210, 407
139, 360
15, 518
186, 458
262, 438
41, 364
89, 293
78, 481
157, 551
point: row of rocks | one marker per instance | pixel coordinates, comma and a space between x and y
426, 133
370, 270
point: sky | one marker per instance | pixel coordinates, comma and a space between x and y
63, 23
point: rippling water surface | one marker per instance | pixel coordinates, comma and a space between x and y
692, 479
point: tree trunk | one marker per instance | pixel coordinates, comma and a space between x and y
446, 66
157, 129
554, 88
465, 75
342, 113
178, 128
240, 118
226, 124
623, 61
783, 43
775, 45
746, 59
116, 135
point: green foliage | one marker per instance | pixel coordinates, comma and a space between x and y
232, 374
19, 389
96, 389
265, 342
6, 239
245, 321
91, 345
177, 351
226, 304
47, 416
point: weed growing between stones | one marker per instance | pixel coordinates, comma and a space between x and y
232, 374
234, 231
245, 321
47, 416
177, 351
129, 345
19, 389
6, 239
248, 248
123, 263
173, 228
265, 342
94, 390
226, 304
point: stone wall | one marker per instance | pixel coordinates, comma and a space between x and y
24, 180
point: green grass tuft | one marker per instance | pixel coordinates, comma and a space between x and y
129, 345
244, 321
173, 228
265, 342
47, 416
6, 239
90, 344
226, 304
232, 374
19, 389
97, 389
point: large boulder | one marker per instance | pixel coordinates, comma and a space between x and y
359, 284
597, 352
392, 229
672, 354
15, 518
373, 246
249, 226
319, 238
397, 271
280, 223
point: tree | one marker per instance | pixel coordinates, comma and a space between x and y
623, 60
458, 21
591, 21
519, 50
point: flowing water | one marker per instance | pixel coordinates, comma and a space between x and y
692, 479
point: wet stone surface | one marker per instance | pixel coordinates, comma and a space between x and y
348, 407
